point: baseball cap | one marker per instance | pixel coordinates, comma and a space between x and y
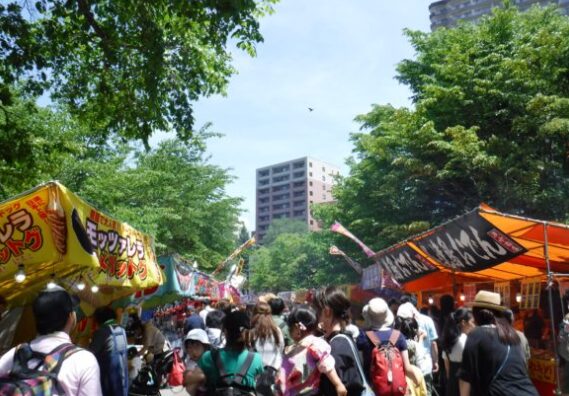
197, 335
146, 316
52, 308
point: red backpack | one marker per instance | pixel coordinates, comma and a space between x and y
387, 373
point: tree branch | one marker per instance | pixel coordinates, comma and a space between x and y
85, 10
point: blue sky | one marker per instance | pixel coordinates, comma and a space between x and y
336, 56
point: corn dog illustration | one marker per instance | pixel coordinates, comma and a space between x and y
56, 220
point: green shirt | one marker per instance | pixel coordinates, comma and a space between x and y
232, 363
279, 321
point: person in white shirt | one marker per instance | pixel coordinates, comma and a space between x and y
55, 317
430, 365
206, 309
460, 323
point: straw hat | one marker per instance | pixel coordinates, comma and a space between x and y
377, 313
265, 298
488, 300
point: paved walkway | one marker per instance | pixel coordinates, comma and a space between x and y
177, 391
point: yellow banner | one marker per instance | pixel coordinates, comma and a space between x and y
52, 232
542, 370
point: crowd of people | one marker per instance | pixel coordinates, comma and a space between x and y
316, 349
301, 349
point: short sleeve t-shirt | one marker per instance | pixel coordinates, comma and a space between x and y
457, 350
366, 346
483, 355
232, 362
427, 325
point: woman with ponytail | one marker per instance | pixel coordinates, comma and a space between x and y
459, 323
266, 337
333, 308
234, 365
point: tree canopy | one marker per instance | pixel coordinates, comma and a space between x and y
490, 123
171, 192
297, 260
125, 67
284, 226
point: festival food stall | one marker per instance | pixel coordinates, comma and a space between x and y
48, 235
518, 257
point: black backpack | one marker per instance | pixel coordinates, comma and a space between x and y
40, 379
236, 386
146, 383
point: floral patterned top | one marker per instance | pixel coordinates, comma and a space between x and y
302, 365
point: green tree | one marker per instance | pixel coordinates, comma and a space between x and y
170, 192
490, 124
295, 261
126, 67
284, 226
243, 235
34, 143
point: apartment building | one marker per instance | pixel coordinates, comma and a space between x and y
287, 189
446, 13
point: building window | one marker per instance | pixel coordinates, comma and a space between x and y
323, 169
324, 196
311, 222
298, 174
310, 164
323, 178
310, 174
311, 193
310, 184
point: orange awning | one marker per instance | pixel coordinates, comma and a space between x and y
452, 252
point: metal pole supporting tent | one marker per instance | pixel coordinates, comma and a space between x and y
550, 295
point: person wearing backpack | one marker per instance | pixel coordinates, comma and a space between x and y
307, 359
51, 360
333, 308
110, 346
232, 370
384, 350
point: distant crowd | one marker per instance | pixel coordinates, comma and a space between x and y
272, 349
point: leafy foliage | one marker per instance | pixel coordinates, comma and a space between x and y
489, 124
284, 226
170, 192
33, 143
297, 260
129, 68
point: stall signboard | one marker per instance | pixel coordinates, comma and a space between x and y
469, 243
404, 263
469, 290
503, 289
49, 230
542, 370
371, 277
530, 290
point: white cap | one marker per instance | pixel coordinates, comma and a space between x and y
197, 335
408, 311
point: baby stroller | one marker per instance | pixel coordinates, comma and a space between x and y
153, 376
